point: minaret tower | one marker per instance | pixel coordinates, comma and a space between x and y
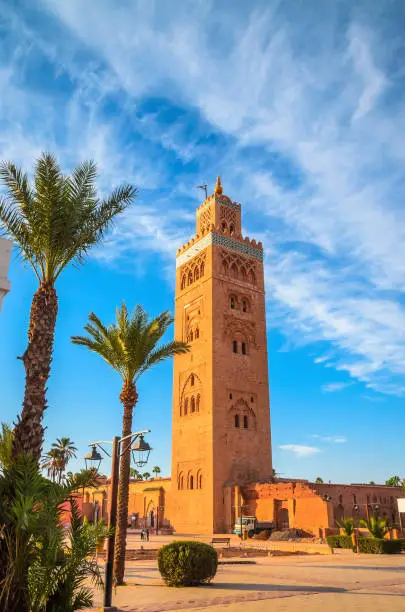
221, 409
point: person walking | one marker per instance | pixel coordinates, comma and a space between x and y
147, 535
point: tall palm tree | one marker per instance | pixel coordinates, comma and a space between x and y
130, 346
53, 221
52, 463
156, 470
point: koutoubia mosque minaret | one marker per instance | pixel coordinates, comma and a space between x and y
221, 407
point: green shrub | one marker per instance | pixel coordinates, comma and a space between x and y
402, 544
378, 546
339, 541
187, 563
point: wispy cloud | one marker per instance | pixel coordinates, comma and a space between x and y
300, 450
333, 387
332, 439
303, 117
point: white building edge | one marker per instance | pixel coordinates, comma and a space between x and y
5, 253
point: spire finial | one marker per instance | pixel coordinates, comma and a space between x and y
218, 186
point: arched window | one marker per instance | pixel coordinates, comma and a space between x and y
233, 303
231, 230
191, 482
197, 333
236, 420
190, 336
202, 269
192, 404
200, 481
185, 406
244, 305
183, 281
251, 277
190, 278
192, 380
196, 273
243, 348
235, 346
245, 422
181, 481
225, 268
197, 403
223, 226
234, 271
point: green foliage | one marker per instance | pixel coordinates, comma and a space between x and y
339, 541
319, 480
130, 345
156, 470
394, 481
187, 563
376, 525
379, 546
347, 524
58, 218
43, 568
146, 475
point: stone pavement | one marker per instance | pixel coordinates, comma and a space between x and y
311, 583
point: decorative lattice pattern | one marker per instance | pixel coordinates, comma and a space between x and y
193, 270
228, 216
225, 241
238, 267
205, 221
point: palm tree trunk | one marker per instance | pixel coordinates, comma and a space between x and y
128, 398
28, 432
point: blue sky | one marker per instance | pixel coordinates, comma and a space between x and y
300, 108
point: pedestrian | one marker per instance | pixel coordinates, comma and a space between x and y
147, 535
141, 534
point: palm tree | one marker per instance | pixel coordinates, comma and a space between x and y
394, 481
130, 346
58, 457
53, 221
319, 480
377, 526
146, 475
156, 470
135, 474
347, 524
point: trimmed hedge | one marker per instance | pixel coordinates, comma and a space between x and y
187, 563
339, 541
377, 546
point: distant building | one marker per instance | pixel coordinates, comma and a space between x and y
5, 252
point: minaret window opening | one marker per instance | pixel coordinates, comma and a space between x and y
244, 306
192, 380
202, 269
235, 346
236, 420
197, 403
243, 348
185, 406
183, 281
200, 481
191, 482
245, 422
223, 227
192, 404
190, 278
233, 303
231, 230
196, 274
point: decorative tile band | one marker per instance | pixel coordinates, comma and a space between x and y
226, 242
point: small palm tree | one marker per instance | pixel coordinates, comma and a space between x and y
146, 475
376, 525
130, 346
394, 481
156, 470
319, 480
347, 524
54, 222
52, 463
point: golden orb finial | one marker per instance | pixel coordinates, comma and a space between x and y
218, 186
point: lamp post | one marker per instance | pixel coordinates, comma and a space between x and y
140, 453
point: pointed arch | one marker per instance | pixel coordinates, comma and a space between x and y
183, 281
197, 403
234, 271
196, 273
252, 277
202, 269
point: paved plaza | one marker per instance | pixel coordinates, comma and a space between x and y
332, 583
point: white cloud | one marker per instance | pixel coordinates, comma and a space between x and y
332, 387
315, 94
300, 450
333, 439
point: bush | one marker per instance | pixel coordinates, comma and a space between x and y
339, 541
378, 546
187, 563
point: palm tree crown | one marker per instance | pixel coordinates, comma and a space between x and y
56, 220
130, 344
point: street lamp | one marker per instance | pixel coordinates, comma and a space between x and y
140, 452
143, 449
92, 458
